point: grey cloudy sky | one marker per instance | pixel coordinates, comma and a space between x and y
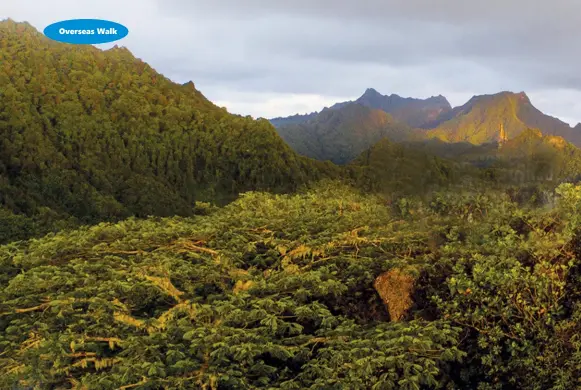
278, 57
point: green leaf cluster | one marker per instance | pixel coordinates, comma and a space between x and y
277, 291
272, 291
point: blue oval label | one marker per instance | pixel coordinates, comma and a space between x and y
86, 31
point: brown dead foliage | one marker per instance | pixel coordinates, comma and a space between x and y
395, 287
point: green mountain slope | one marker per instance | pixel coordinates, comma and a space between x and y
89, 135
531, 161
534, 157
340, 135
479, 120
400, 168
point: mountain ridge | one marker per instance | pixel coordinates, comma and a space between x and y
293, 119
413, 112
483, 119
476, 121
92, 135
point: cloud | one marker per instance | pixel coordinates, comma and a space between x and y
275, 104
276, 57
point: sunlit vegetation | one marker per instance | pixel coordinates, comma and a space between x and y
151, 240
479, 120
278, 291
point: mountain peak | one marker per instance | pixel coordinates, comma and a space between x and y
523, 96
20, 26
520, 95
371, 92
119, 48
439, 99
190, 84
496, 97
10, 21
477, 121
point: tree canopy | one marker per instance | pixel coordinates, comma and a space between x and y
278, 291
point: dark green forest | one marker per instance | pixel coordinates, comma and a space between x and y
151, 240
340, 135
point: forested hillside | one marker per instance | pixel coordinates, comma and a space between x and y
532, 156
90, 135
393, 168
341, 134
529, 157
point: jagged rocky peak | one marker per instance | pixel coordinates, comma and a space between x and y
438, 99
371, 91
190, 85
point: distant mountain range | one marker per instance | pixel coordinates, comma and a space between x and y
411, 111
476, 122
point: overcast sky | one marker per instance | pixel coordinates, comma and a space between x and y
279, 57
